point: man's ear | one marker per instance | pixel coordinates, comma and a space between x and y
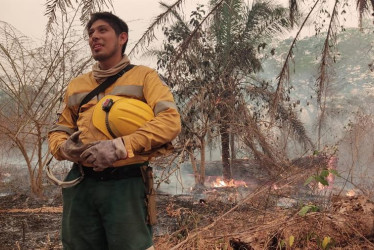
123, 37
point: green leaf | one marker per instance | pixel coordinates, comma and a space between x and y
308, 208
322, 180
304, 210
309, 180
324, 173
334, 172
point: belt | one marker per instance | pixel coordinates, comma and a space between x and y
114, 173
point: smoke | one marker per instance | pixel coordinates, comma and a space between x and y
356, 153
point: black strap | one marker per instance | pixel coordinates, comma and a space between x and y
109, 81
107, 124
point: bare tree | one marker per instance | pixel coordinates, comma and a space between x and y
32, 82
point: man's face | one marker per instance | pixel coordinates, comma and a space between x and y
104, 42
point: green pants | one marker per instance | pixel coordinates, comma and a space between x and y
105, 215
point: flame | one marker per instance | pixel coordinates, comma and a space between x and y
219, 182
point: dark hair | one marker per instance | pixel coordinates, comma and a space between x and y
114, 21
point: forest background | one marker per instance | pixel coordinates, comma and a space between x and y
275, 89
266, 81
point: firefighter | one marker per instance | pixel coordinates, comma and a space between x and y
110, 139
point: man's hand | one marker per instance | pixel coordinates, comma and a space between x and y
105, 153
73, 147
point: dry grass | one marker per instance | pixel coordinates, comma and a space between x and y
256, 222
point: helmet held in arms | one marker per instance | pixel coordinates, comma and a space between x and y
118, 116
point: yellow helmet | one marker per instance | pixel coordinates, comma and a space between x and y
118, 116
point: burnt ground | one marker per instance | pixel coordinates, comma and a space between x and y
267, 214
28, 223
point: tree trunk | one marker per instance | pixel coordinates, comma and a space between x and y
232, 146
37, 188
225, 144
194, 167
202, 161
225, 137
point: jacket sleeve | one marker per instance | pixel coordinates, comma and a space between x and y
62, 129
166, 124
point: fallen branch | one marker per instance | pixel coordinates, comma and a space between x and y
33, 210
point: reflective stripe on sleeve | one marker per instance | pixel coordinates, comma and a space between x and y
164, 105
129, 90
56, 127
76, 99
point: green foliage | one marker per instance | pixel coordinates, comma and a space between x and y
321, 177
208, 78
307, 209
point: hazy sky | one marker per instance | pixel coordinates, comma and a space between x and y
28, 15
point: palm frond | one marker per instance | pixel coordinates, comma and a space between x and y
285, 116
265, 21
259, 144
263, 16
326, 59
226, 20
151, 53
284, 74
148, 35
52, 6
362, 7
323, 79
260, 22
297, 127
88, 7
294, 11
183, 46
242, 56
91, 6
175, 14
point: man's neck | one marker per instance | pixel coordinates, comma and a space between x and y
108, 64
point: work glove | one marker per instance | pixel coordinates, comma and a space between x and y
73, 147
105, 153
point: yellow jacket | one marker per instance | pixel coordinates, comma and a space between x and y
141, 83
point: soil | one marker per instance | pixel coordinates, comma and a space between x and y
278, 214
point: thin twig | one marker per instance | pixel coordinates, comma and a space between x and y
354, 229
178, 166
284, 71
